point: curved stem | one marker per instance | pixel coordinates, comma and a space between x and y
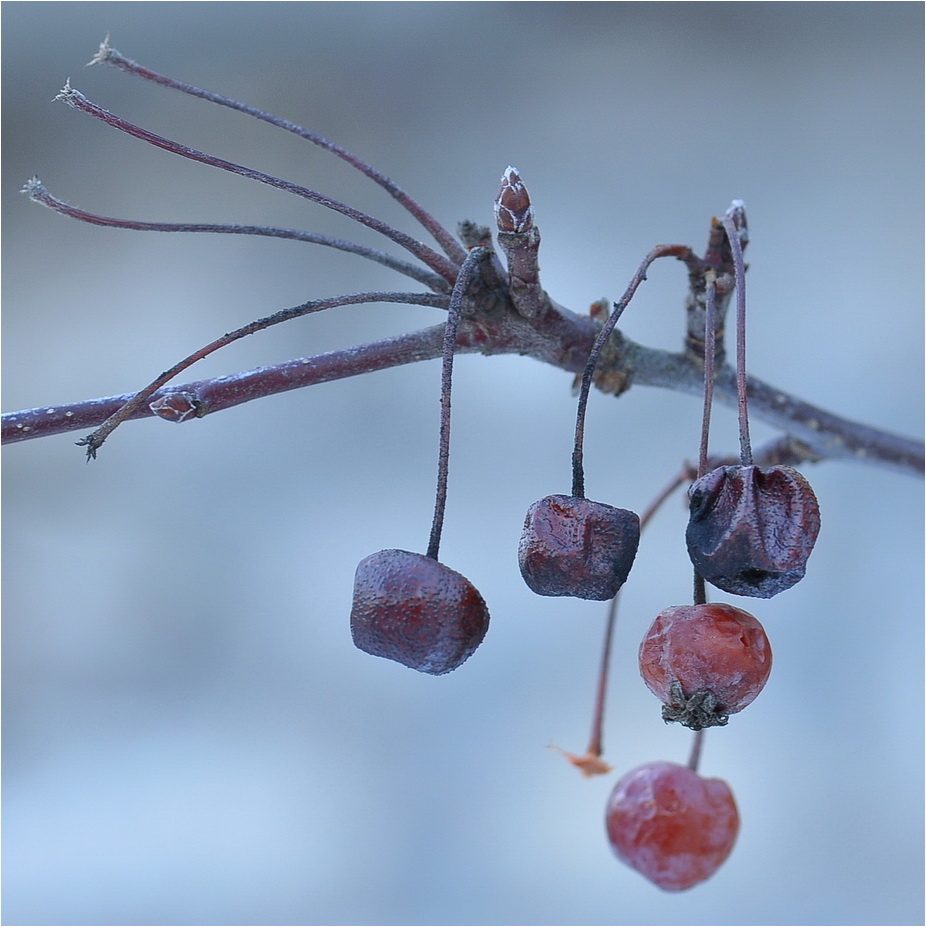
467, 272
451, 246
578, 471
36, 191
437, 262
94, 441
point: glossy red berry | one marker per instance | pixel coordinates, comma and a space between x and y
671, 825
705, 662
412, 609
751, 529
573, 546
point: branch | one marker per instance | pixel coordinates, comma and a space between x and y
561, 338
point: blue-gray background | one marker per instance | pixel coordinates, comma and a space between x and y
190, 737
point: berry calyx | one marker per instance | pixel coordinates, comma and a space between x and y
752, 529
415, 610
573, 546
705, 662
673, 826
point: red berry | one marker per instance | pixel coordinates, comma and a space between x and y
412, 609
573, 546
705, 662
671, 825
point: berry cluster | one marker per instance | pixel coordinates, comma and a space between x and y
750, 532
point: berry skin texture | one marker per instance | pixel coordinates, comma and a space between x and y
573, 546
415, 610
751, 529
671, 825
705, 662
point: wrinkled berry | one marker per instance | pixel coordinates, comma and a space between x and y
705, 662
671, 825
412, 609
751, 529
573, 546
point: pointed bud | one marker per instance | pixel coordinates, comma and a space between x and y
513, 210
751, 529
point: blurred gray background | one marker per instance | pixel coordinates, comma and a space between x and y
190, 737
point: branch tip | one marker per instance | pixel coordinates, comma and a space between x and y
104, 53
33, 188
67, 94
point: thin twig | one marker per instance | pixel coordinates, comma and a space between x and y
437, 262
94, 441
445, 239
36, 191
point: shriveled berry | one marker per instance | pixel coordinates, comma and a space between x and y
573, 546
751, 529
415, 610
671, 825
705, 662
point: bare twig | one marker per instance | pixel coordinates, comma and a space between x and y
451, 246
437, 262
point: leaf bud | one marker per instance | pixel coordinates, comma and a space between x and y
513, 210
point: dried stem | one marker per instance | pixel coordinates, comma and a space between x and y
94, 441
467, 272
35, 190
445, 239
734, 222
578, 473
437, 262
694, 758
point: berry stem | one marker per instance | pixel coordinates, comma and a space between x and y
465, 277
709, 350
596, 740
437, 262
35, 190
451, 246
694, 757
699, 590
684, 253
734, 231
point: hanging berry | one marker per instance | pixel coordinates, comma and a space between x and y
412, 609
705, 662
671, 825
752, 529
573, 546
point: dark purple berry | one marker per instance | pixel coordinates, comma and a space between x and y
751, 529
573, 546
412, 609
